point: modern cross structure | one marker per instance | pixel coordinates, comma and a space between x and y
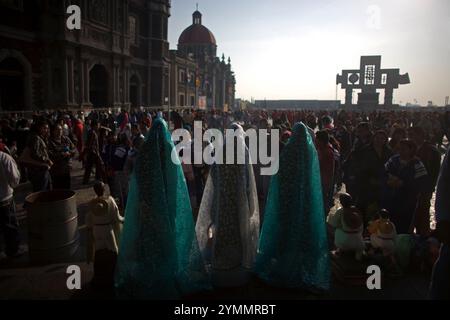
368, 79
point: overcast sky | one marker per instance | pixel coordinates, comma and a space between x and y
293, 49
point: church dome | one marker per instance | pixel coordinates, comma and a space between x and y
197, 33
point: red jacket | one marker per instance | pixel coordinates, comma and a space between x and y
326, 160
124, 122
78, 130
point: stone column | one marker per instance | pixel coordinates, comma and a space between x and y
214, 87
118, 84
348, 97
224, 91
28, 87
115, 81
113, 92
148, 85
174, 86
126, 85
388, 96
65, 84
126, 98
86, 82
70, 81
81, 84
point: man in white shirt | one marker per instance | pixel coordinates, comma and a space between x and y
9, 178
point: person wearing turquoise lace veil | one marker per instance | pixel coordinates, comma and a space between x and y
159, 257
293, 249
228, 220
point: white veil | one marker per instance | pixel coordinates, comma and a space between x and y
228, 221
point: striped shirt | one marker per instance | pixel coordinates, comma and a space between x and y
413, 174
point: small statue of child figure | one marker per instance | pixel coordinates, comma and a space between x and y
104, 225
348, 226
383, 236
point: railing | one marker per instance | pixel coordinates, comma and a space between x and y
171, 108
88, 110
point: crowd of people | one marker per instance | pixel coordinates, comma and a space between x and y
352, 146
386, 162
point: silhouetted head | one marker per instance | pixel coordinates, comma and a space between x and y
135, 129
407, 149
326, 121
380, 138
346, 200
398, 134
285, 136
384, 214
95, 125
323, 137
352, 218
263, 123
311, 121
417, 134
122, 139
42, 128
363, 132
99, 188
57, 131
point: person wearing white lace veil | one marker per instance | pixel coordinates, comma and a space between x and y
228, 221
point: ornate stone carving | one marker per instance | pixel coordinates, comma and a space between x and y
120, 16
99, 11
100, 37
76, 79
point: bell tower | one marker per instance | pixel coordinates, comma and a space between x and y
197, 17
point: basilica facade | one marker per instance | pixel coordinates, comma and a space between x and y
119, 58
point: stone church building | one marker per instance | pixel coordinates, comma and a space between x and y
119, 58
198, 77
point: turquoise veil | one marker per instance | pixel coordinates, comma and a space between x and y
293, 248
159, 257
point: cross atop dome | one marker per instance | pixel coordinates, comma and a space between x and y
197, 17
197, 33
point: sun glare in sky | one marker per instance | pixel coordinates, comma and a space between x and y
293, 49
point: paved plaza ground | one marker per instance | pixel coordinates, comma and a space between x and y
20, 280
